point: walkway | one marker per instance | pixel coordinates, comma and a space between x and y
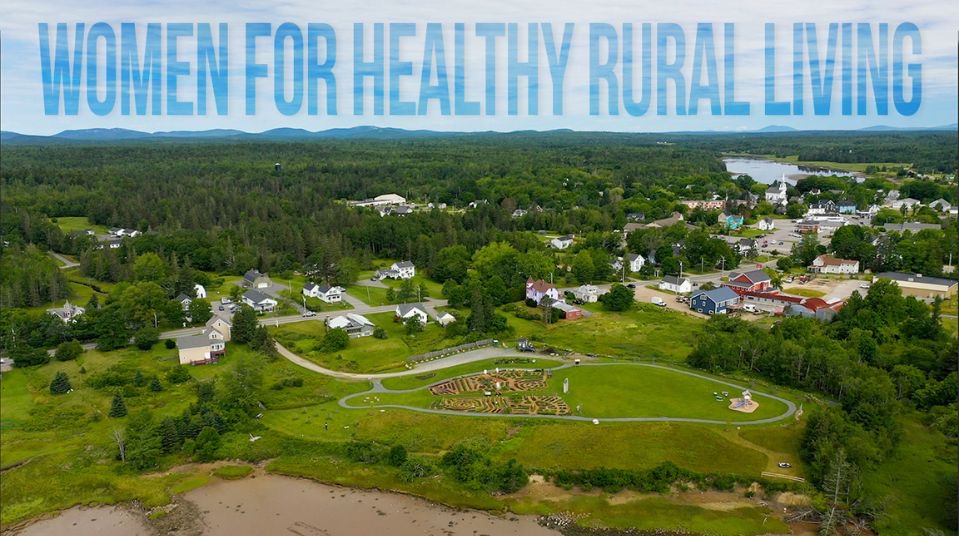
378, 388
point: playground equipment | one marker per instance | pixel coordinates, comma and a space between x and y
746, 404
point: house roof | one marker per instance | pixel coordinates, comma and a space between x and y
829, 260
256, 296
193, 341
917, 278
310, 286
563, 306
539, 285
718, 295
213, 319
754, 276
349, 319
405, 264
674, 280
251, 275
181, 297
633, 256
404, 308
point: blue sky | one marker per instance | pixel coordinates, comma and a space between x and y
21, 92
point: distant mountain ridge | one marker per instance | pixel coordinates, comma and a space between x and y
360, 132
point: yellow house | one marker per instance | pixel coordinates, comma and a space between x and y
200, 349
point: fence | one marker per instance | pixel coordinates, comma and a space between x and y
436, 354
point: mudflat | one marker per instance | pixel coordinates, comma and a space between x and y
272, 504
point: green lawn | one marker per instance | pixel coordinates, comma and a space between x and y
69, 224
646, 332
429, 378
365, 354
374, 296
805, 292
620, 391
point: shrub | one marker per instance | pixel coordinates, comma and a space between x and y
146, 338
397, 456
335, 340
69, 350
170, 344
28, 356
178, 375
380, 333
155, 385
60, 384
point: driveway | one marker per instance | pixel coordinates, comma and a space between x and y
64, 262
645, 295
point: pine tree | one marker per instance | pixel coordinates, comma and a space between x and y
118, 407
60, 384
155, 385
139, 379
169, 436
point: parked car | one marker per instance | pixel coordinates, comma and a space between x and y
656, 300
864, 285
785, 465
750, 308
221, 308
309, 314
631, 285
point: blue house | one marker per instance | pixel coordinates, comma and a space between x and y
846, 207
713, 302
731, 221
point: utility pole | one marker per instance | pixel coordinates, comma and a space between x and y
680, 269
723, 267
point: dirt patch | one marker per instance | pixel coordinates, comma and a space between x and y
788, 498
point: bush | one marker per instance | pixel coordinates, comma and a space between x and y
380, 333
155, 385
287, 382
335, 340
178, 375
619, 298
69, 350
146, 338
397, 456
170, 344
28, 356
60, 384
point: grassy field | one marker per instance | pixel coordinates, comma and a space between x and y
69, 224
421, 380
373, 296
365, 354
646, 332
917, 482
804, 292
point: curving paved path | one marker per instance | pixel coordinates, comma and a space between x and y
491, 352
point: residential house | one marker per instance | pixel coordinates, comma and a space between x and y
766, 224
826, 264
200, 349
184, 301
824, 207
731, 221
561, 242
200, 291
751, 281
908, 202
519, 213
67, 313
776, 193
381, 200
221, 325
254, 279
635, 262
324, 292
869, 212
398, 270
713, 302
846, 206
828, 227
401, 210
259, 301
814, 308
109, 242
673, 219
920, 286
538, 289
747, 246
635, 216
679, 285
941, 205
587, 294
777, 302
409, 310
353, 324
632, 226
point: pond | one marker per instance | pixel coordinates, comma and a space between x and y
769, 171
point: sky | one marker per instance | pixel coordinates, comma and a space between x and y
22, 95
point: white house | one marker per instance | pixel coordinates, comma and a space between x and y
259, 301
200, 291
538, 289
776, 193
184, 301
398, 270
200, 349
675, 284
941, 205
766, 224
587, 294
409, 310
324, 292
445, 319
67, 313
381, 200
635, 262
353, 324
561, 242
826, 264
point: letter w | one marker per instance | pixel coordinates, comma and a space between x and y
61, 76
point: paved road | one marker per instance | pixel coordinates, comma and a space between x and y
65, 262
378, 388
